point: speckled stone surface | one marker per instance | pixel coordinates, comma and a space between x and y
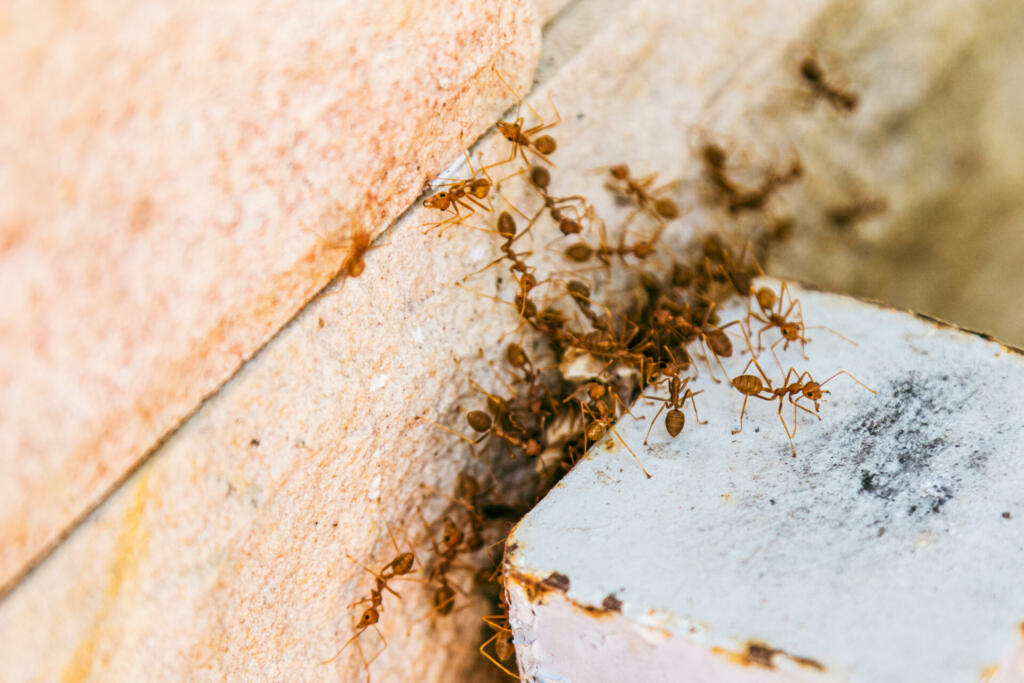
887, 550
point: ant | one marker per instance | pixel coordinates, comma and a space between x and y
674, 419
401, 565
523, 139
791, 330
639, 191
600, 408
540, 178
799, 388
465, 193
504, 650
714, 159
814, 74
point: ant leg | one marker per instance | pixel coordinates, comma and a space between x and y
492, 659
784, 426
742, 410
654, 420
690, 395
642, 468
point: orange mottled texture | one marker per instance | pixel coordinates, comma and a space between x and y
176, 180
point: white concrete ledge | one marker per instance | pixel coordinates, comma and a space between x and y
889, 549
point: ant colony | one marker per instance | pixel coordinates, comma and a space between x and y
576, 362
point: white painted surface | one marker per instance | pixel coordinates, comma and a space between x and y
881, 551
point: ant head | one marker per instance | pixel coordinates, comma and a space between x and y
620, 171
790, 331
437, 201
813, 391
596, 390
811, 70
532, 448
509, 130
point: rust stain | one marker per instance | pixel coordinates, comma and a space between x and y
762, 655
130, 543
560, 582
612, 603
536, 589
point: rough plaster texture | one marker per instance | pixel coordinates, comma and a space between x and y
220, 557
177, 180
888, 550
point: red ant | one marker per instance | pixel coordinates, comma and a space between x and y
639, 191
674, 419
401, 565
792, 330
752, 385
465, 193
523, 139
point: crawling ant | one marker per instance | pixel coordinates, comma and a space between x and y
465, 193
523, 139
401, 565
504, 650
639, 191
792, 330
814, 75
803, 386
845, 216
674, 419
540, 178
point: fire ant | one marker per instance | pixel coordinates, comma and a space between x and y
674, 419
792, 330
814, 75
523, 139
752, 386
465, 193
504, 650
639, 191
540, 178
401, 565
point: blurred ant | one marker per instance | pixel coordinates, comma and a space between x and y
813, 74
640, 192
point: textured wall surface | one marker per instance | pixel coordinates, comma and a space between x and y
177, 182
225, 553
